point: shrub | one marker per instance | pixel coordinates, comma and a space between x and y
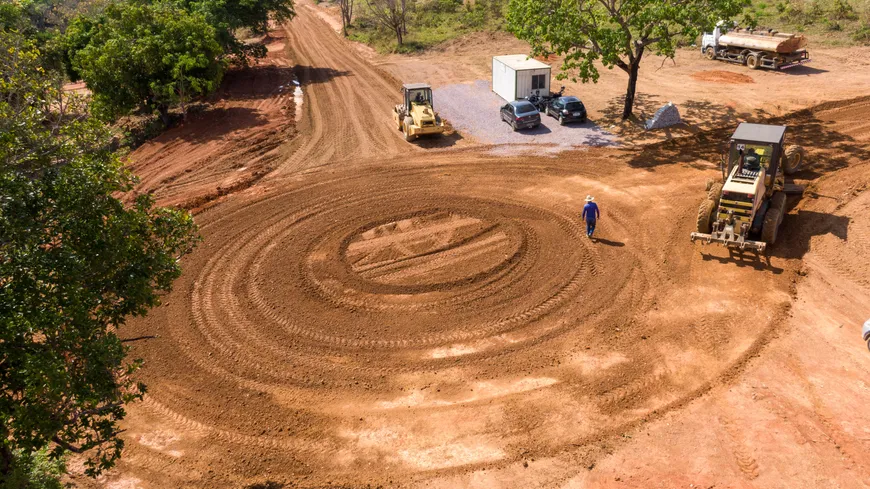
34, 471
843, 10
862, 35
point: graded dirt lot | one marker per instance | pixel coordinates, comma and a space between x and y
375, 313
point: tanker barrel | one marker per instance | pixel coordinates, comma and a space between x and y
779, 42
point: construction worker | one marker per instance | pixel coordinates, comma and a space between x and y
590, 215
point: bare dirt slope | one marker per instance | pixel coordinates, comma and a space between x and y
361, 317
236, 141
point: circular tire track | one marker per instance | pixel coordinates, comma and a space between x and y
358, 307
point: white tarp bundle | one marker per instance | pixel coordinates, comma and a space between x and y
666, 116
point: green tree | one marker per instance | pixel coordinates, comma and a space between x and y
135, 54
75, 262
228, 16
614, 32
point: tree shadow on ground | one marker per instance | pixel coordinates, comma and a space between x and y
216, 123
644, 104
828, 149
698, 116
255, 82
310, 75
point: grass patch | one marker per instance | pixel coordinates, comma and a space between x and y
429, 23
824, 22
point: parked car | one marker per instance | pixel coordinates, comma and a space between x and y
567, 109
521, 114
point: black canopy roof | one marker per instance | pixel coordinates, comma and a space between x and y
762, 133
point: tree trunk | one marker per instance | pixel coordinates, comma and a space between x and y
399, 34
163, 109
345, 16
6, 459
630, 92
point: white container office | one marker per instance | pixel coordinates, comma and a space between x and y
516, 76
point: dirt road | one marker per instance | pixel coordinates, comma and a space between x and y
362, 318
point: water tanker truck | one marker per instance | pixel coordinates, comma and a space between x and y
755, 48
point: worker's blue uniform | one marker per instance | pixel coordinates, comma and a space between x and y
590, 214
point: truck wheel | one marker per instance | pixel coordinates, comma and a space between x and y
771, 225
710, 53
561, 121
794, 158
752, 62
514, 126
705, 216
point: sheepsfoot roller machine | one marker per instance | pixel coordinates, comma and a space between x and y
746, 209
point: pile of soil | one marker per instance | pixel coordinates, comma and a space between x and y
719, 76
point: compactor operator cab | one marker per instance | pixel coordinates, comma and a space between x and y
754, 150
415, 116
417, 95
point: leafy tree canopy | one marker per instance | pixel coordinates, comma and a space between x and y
228, 16
136, 53
74, 263
614, 32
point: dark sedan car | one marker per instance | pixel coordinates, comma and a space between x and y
521, 114
567, 109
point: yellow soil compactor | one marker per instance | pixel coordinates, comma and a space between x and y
416, 116
746, 209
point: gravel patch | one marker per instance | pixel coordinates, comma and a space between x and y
473, 109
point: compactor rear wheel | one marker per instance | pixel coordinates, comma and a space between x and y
705, 216
407, 129
794, 158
